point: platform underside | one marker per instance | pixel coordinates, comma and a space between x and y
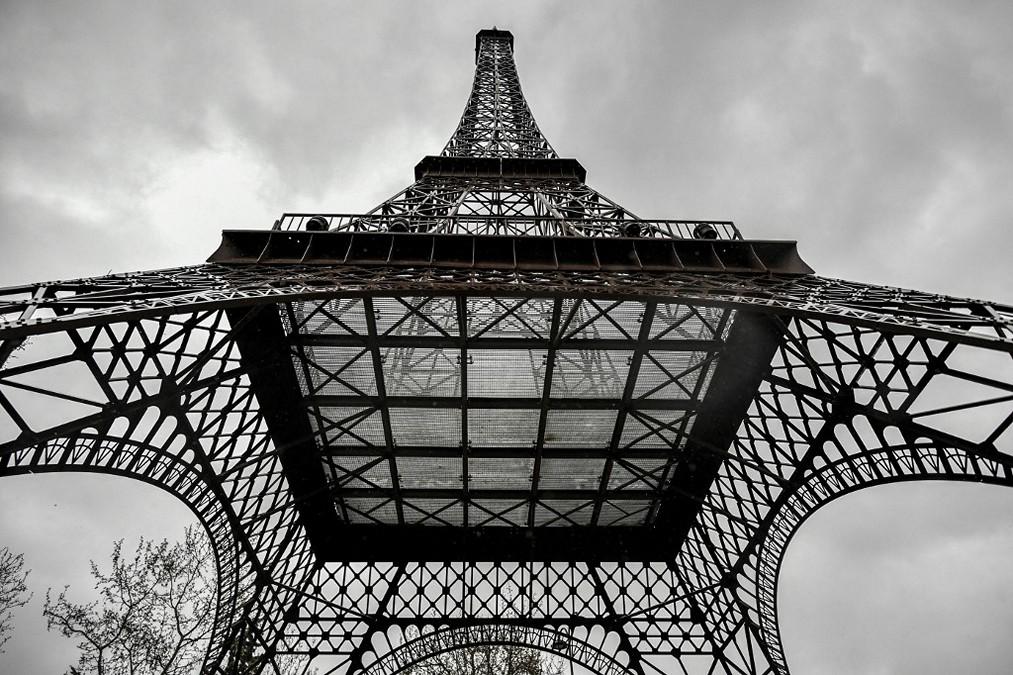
474, 427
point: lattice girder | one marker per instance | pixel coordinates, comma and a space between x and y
47, 307
497, 121
163, 400
503, 206
826, 374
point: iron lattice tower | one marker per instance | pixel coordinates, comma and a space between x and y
501, 408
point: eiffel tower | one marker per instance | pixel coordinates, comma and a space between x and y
501, 408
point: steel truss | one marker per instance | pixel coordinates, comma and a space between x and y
851, 399
350, 432
497, 121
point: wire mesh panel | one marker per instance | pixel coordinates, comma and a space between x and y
426, 427
506, 373
579, 428
503, 428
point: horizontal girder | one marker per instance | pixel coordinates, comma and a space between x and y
39, 308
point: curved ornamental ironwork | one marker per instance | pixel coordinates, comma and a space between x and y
401, 421
411, 648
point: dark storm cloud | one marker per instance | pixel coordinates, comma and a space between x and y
878, 134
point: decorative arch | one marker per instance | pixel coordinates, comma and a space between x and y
583, 646
884, 466
89, 452
167, 401
842, 408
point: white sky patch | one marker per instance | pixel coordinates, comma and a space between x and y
376, 174
268, 87
199, 193
765, 129
81, 207
957, 198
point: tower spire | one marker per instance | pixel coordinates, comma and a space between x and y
497, 121
498, 174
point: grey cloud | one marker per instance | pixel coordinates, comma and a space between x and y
902, 579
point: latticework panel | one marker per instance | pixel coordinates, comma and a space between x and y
855, 400
497, 121
505, 206
41, 307
570, 210
843, 407
166, 401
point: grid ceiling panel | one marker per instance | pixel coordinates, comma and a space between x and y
602, 319
570, 474
506, 373
365, 510
579, 428
503, 473
590, 373
510, 317
624, 512
669, 375
433, 512
564, 512
343, 316
421, 372
502, 428
433, 473
414, 427
421, 358
419, 316
360, 471
340, 371
673, 321
637, 474
657, 429
499, 512
351, 426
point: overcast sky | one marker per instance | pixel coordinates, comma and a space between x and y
880, 135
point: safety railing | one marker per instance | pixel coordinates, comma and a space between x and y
545, 226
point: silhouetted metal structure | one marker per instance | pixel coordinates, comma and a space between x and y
501, 408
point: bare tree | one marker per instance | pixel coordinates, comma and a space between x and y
13, 591
153, 615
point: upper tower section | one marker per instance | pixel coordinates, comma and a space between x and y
497, 121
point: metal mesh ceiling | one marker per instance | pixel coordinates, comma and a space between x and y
510, 412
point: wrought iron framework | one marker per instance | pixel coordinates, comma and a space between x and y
500, 408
